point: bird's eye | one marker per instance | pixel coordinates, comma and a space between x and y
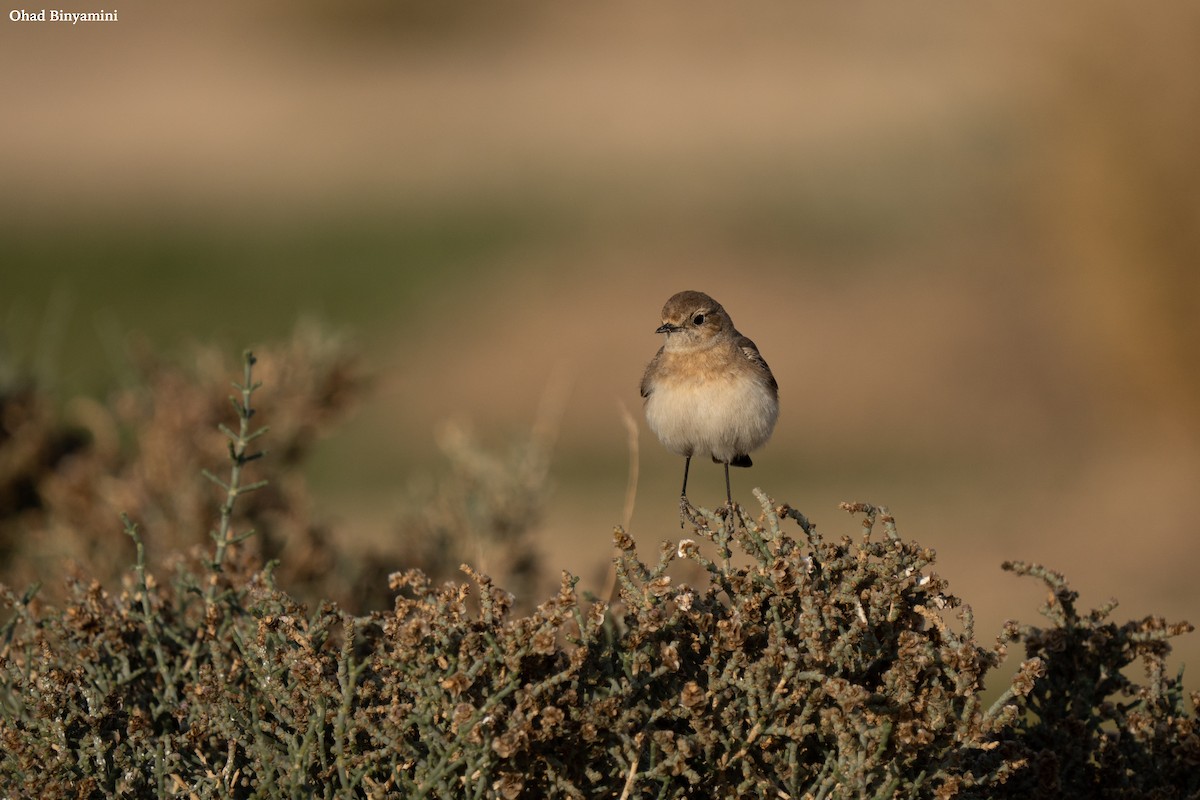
698, 319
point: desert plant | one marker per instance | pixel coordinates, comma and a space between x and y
798, 666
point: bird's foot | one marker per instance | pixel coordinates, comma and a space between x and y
687, 511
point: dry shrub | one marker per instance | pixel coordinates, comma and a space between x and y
65, 480
799, 667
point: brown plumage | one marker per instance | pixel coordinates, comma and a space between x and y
708, 389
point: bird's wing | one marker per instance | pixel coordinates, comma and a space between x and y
650, 368
750, 351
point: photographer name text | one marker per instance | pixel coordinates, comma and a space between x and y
59, 15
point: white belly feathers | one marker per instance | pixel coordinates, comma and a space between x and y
718, 418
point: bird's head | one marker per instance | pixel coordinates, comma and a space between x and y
693, 319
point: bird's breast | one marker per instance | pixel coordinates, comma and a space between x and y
702, 409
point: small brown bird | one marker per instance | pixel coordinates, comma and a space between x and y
708, 390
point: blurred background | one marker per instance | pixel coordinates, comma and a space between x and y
966, 241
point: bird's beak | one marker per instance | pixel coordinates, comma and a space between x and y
666, 327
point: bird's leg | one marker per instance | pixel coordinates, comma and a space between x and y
685, 510
728, 492
685, 506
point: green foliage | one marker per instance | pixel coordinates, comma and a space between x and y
795, 667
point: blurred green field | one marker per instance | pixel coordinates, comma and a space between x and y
73, 295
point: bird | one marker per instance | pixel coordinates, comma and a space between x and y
708, 391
